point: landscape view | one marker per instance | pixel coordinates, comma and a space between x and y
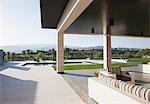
43, 52
74, 52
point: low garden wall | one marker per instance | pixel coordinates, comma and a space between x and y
106, 90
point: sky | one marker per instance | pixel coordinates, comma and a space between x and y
20, 23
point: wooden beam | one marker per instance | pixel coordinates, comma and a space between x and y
72, 11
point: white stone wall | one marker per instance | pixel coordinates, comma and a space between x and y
119, 60
106, 95
145, 68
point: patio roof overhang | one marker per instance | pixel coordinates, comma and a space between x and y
127, 17
51, 12
107, 17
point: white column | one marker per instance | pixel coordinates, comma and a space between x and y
60, 53
107, 41
107, 52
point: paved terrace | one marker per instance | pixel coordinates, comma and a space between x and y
35, 85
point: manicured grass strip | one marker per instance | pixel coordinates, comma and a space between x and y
122, 65
144, 60
87, 66
81, 66
91, 66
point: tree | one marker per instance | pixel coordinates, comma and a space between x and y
8, 56
40, 55
13, 56
53, 54
23, 53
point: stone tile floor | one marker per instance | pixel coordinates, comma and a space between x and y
37, 85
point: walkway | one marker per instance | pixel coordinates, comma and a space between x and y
80, 77
37, 85
78, 80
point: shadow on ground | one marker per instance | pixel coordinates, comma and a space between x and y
77, 75
17, 91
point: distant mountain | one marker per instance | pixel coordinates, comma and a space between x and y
124, 49
90, 48
73, 47
45, 47
34, 47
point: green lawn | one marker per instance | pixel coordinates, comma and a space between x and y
122, 65
91, 66
144, 60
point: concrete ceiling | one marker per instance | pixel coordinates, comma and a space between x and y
128, 17
51, 11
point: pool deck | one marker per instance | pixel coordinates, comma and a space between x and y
35, 85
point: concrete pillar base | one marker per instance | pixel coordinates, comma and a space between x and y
60, 72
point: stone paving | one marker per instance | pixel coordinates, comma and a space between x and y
35, 85
78, 80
